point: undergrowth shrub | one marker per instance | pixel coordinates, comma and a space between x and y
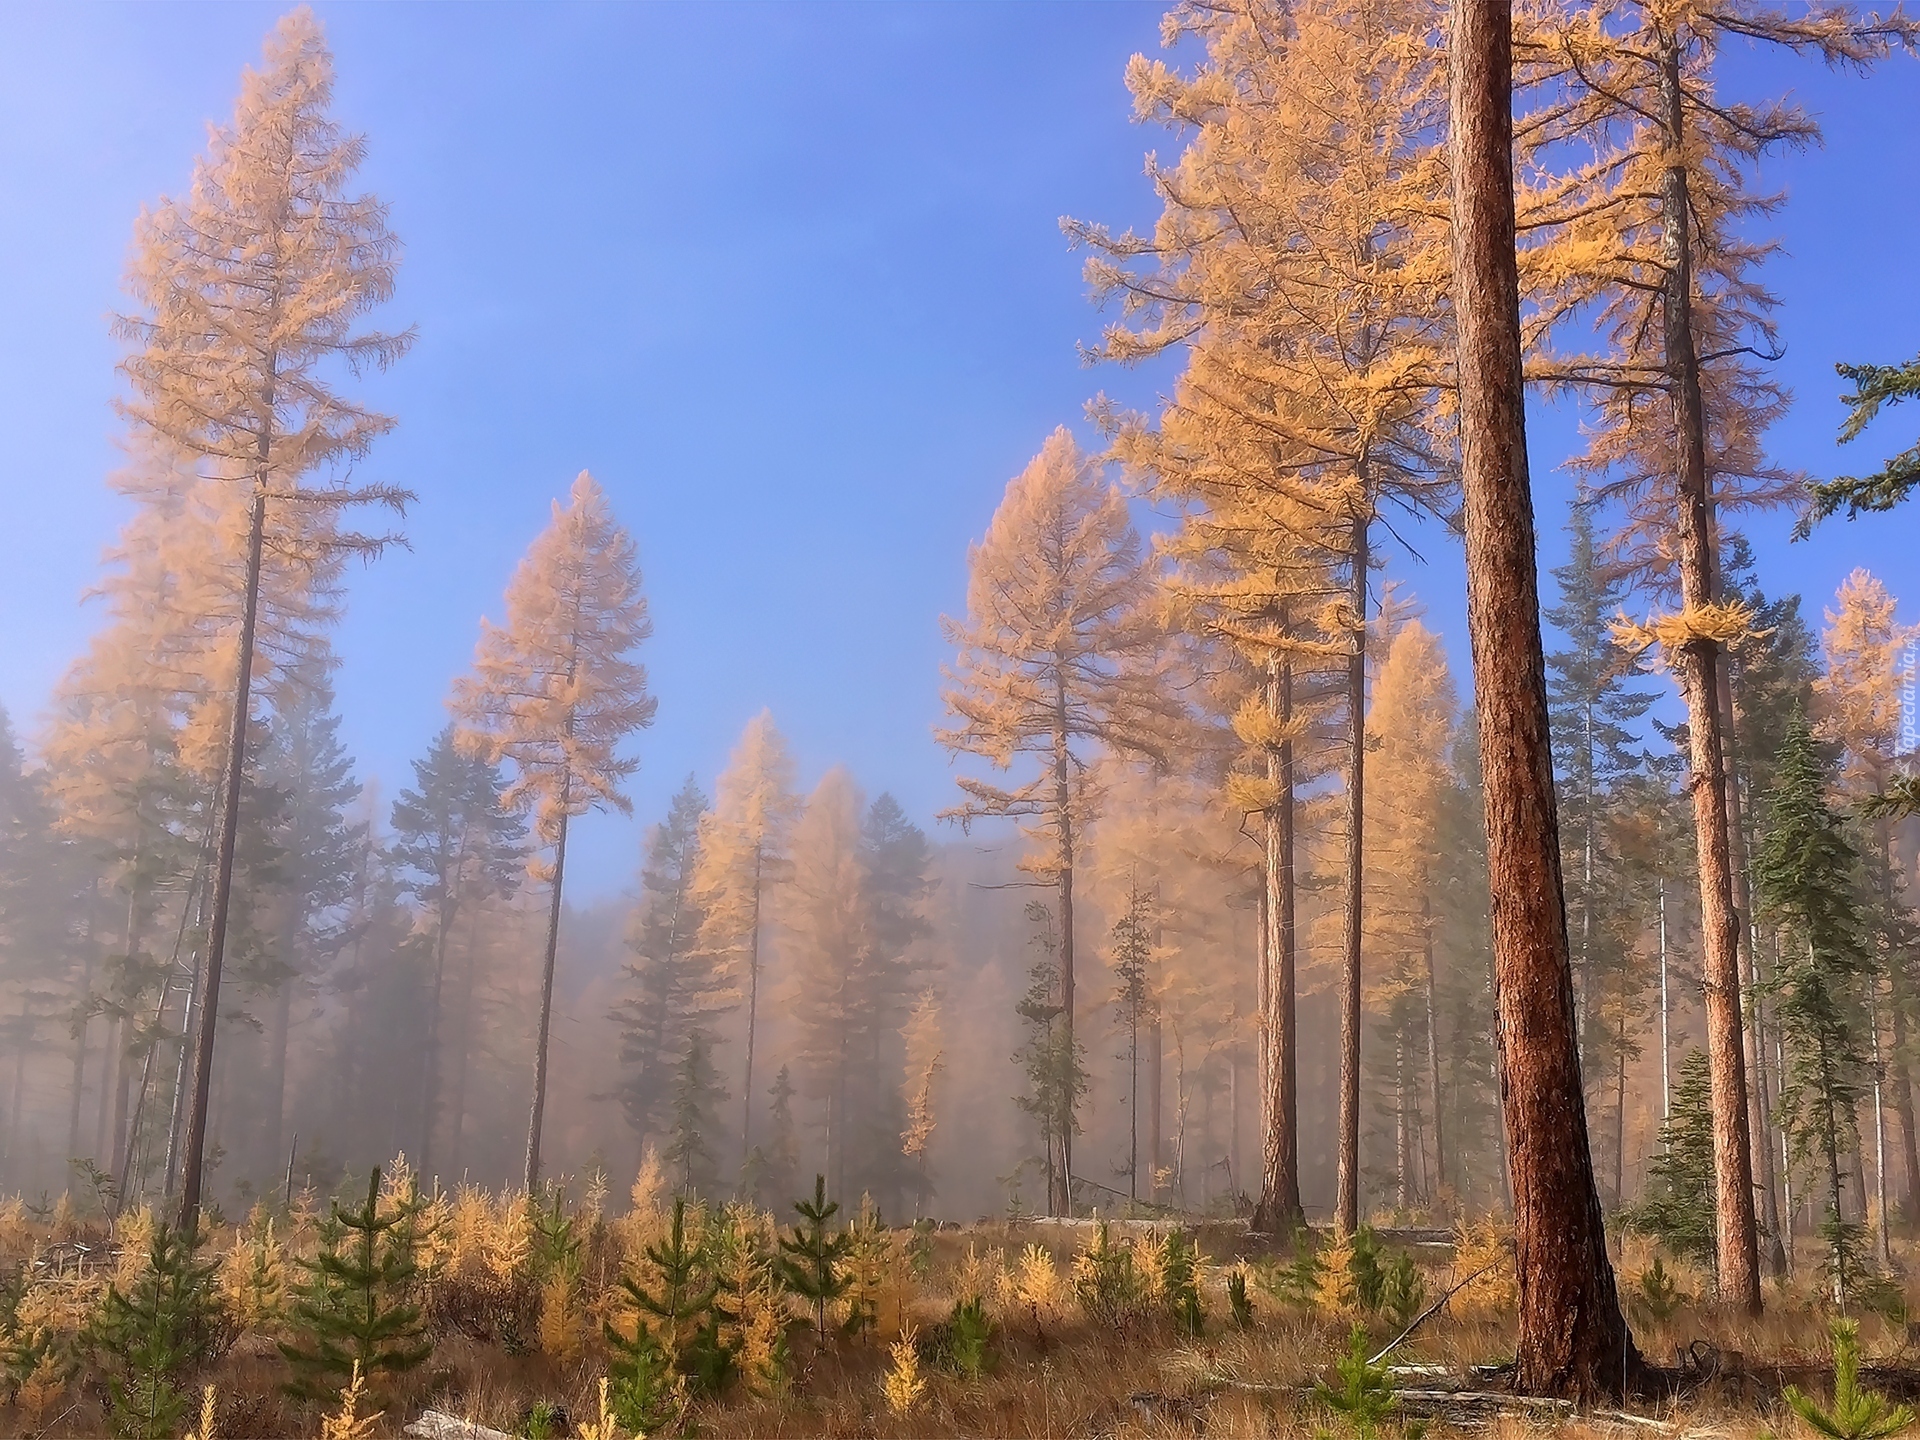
151, 1337
353, 1306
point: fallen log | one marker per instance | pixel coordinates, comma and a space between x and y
1471, 1409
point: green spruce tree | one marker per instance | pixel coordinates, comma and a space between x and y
454, 846
677, 1348
1677, 1206
697, 1093
1809, 879
1592, 711
810, 1262
354, 1305
1050, 1055
671, 986
152, 1338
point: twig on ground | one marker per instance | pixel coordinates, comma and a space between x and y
1432, 1310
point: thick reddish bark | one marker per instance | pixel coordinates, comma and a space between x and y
1572, 1339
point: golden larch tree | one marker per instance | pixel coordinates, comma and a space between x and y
744, 857
926, 1058
1055, 662
826, 927
249, 292
1858, 707
555, 690
1410, 727
1301, 244
1643, 241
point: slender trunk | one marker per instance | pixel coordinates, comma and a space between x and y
753, 1007
1584, 984
457, 1153
1620, 1111
1753, 1034
1133, 1103
1279, 1211
538, 1115
109, 1065
1883, 1239
1433, 1039
129, 1032
1263, 1017
128, 1175
1572, 1338
279, 1032
1156, 1070
1666, 1040
430, 1081
1898, 1070
177, 1120
1402, 1129
82, 1017
196, 1142
1347, 1202
1902, 1076
1786, 1151
1832, 1138
1063, 812
1697, 664
1233, 1126
122, 1095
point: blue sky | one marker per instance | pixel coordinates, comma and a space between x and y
789, 280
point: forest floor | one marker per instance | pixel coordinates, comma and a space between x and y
1073, 1346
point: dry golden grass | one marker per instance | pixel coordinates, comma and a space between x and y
503, 1341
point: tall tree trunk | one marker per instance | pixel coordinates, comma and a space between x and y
1697, 664
1156, 1070
82, 1018
1133, 1100
1063, 811
1754, 1034
1433, 1039
1620, 1111
276, 1100
196, 1142
1572, 1338
109, 1066
753, 1008
1279, 1211
129, 1032
1899, 1074
1883, 1238
1347, 1201
538, 1116
1666, 1010
436, 1023
1402, 1128
457, 1154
